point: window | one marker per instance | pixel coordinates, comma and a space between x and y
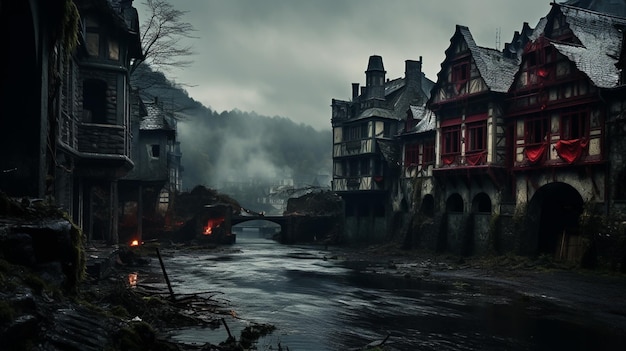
93, 43
355, 132
476, 137
94, 101
574, 125
155, 150
114, 50
411, 154
538, 65
537, 130
428, 155
460, 72
451, 140
97, 43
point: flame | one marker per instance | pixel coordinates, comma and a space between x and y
134, 243
132, 279
212, 223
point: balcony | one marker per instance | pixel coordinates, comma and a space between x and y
353, 147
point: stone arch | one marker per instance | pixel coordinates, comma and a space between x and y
427, 207
455, 203
481, 203
553, 220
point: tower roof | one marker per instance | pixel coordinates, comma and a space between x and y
375, 64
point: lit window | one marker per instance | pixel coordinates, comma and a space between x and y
114, 50
93, 44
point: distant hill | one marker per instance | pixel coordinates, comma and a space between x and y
237, 146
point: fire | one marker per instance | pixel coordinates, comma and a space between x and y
134, 243
212, 223
132, 279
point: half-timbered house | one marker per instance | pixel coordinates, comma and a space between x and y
366, 157
470, 165
560, 110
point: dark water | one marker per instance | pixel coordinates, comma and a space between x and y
319, 304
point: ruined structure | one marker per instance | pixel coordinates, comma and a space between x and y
519, 150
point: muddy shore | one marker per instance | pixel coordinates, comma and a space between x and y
596, 297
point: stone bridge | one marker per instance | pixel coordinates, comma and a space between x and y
297, 228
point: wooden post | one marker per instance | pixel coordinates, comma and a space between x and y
167, 279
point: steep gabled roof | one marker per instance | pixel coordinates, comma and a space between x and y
496, 70
600, 43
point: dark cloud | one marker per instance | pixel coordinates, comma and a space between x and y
290, 58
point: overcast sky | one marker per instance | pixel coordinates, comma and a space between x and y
289, 58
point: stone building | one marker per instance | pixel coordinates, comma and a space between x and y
66, 92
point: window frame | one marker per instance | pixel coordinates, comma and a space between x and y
580, 119
451, 146
472, 140
531, 125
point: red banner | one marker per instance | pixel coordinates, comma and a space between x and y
448, 159
535, 153
474, 159
571, 150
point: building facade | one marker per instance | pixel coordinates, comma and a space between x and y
519, 150
66, 132
366, 159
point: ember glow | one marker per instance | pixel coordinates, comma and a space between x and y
134, 243
212, 223
132, 280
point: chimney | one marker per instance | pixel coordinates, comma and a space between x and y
355, 91
413, 75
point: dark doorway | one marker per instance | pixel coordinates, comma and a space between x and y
554, 213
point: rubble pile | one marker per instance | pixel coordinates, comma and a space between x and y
323, 203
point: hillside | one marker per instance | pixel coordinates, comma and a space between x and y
238, 147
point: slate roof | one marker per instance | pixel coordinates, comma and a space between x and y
427, 122
601, 43
375, 112
156, 119
496, 70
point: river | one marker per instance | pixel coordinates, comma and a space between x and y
321, 303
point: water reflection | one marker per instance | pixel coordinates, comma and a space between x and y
319, 304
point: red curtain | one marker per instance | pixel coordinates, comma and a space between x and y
570, 150
448, 159
535, 153
474, 159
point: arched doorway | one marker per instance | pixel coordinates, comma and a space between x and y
454, 203
553, 220
481, 203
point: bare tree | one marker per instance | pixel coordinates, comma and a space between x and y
161, 37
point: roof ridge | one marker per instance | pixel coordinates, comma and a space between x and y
600, 14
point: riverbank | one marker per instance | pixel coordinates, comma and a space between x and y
595, 297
